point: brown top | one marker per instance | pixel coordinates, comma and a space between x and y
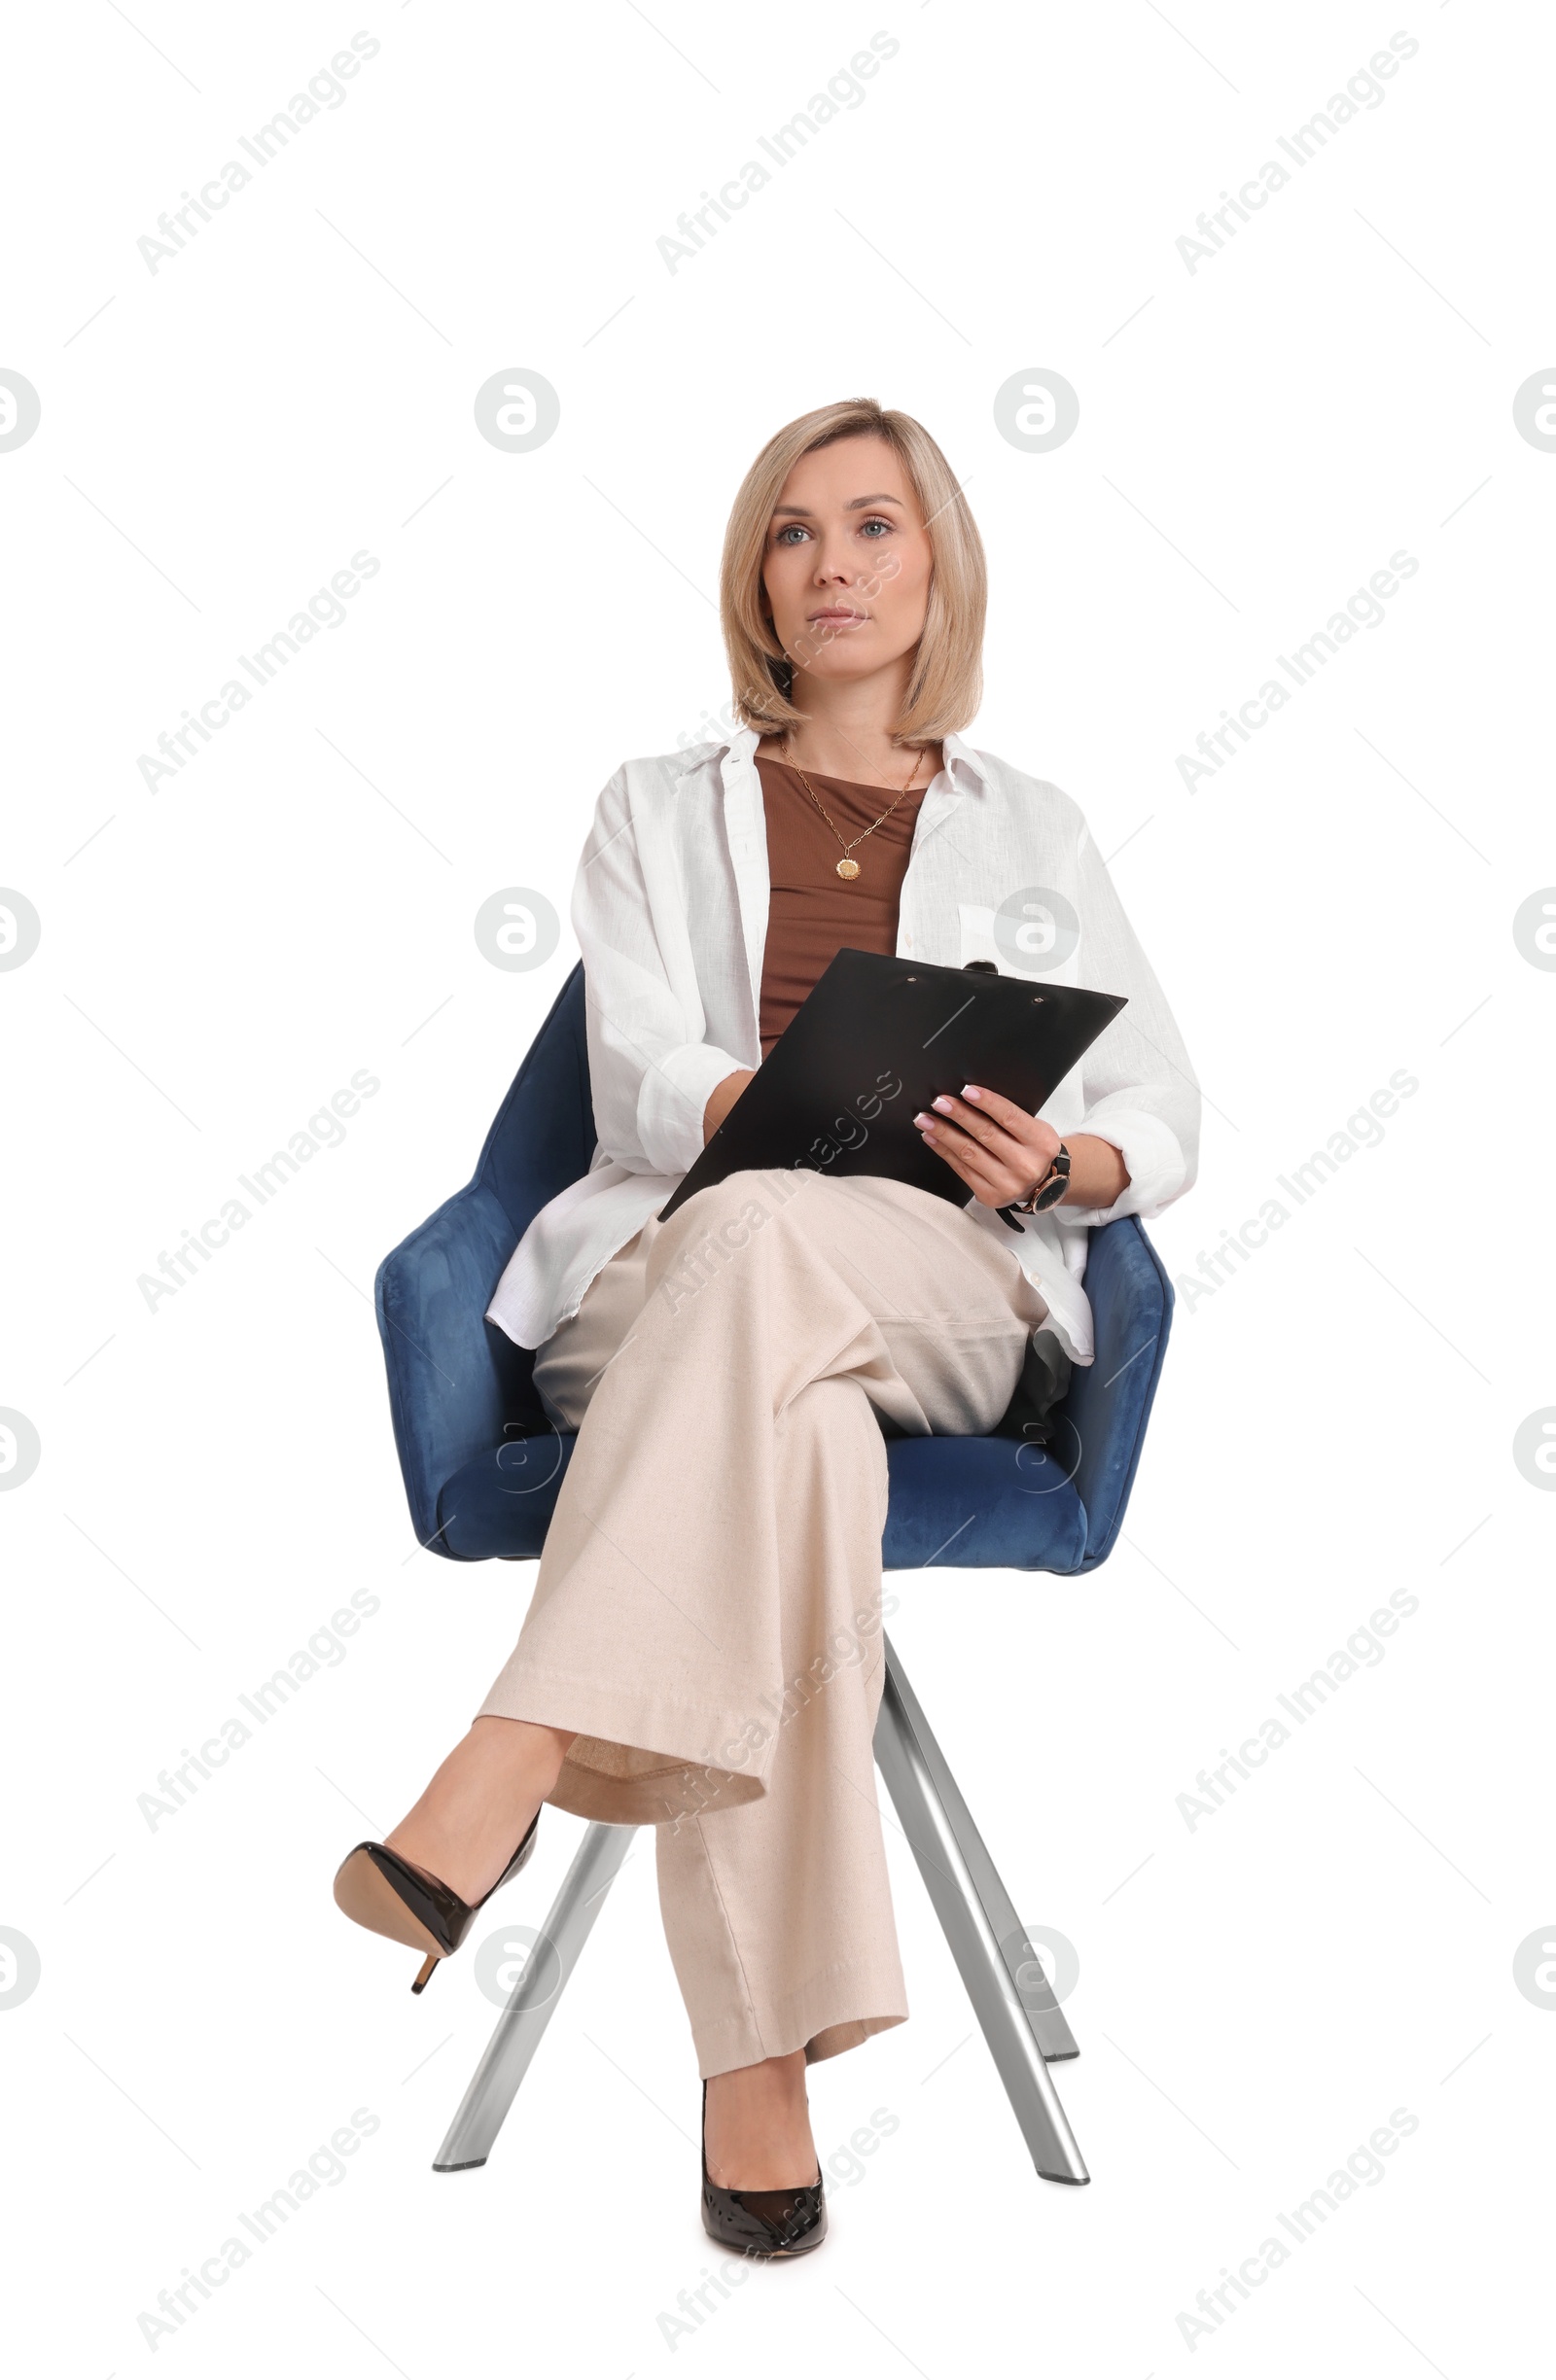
814, 912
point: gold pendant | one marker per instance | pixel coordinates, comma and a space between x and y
848, 868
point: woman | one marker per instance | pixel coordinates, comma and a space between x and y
703, 1649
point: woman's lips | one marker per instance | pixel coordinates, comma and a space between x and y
838, 620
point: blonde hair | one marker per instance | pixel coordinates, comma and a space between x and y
947, 679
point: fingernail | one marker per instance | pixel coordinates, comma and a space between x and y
970, 1091
943, 1105
921, 1119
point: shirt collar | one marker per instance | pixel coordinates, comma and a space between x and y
960, 755
737, 750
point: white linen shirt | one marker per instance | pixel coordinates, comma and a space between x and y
670, 909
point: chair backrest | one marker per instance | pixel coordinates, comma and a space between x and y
1104, 1415
456, 1383
542, 1135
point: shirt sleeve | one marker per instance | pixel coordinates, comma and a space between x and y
1138, 1088
651, 1070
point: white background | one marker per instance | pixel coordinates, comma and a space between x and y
1335, 1423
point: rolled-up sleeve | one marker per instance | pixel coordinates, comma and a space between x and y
651, 1070
1137, 1083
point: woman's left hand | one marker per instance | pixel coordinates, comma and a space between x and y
1002, 1153
999, 1151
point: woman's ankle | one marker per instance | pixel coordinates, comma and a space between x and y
520, 1746
758, 2132
469, 1821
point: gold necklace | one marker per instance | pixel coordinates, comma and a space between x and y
848, 866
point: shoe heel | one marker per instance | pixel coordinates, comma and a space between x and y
379, 1889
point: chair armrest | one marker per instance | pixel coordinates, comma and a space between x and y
454, 1379
1109, 1403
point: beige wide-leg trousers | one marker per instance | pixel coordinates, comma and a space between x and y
707, 1614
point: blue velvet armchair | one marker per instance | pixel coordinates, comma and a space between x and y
483, 1467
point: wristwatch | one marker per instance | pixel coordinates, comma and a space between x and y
1049, 1191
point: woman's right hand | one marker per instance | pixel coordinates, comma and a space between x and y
722, 1098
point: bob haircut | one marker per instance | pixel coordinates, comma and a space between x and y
947, 679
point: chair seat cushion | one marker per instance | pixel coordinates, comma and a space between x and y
960, 1503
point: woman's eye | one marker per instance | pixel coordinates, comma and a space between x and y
884, 526
789, 533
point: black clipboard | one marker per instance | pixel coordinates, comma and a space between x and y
877, 1040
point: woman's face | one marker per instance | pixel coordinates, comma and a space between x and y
848, 561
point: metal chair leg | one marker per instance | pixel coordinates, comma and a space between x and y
1033, 1988
496, 2080
958, 1874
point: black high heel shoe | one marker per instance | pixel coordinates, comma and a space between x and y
392, 1896
767, 2222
